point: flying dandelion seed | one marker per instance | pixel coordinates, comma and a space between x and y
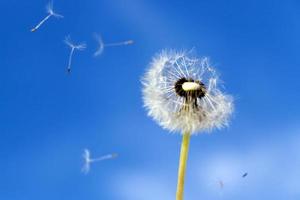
218, 185
73, 46
221, 184
245, 174
50, 12
88, 160
102, 45
181, 93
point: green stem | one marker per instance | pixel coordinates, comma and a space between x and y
182, 165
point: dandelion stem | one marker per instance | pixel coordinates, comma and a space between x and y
41, 23
182, 165
70, 59
119, 43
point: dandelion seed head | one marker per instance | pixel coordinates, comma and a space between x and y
80, 46
50, 10
182, 93
87, 160
100, 45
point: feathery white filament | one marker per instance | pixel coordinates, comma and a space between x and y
102, 45
178, 113
50, 12
73, 46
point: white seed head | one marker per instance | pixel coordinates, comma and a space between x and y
50, 10
181, 93
80, 46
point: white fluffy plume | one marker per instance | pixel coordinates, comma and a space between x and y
175, 112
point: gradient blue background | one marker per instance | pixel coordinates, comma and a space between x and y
47, 117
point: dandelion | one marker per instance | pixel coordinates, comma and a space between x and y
88, 160
102, 45
50, 12
73, 46
181, 94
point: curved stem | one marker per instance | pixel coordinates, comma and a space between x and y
182, 165
70, 58
41, 22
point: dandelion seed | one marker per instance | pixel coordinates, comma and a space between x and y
221, 184
50, 12
102, 45
73, 47
245, 174
181, 94
88, 160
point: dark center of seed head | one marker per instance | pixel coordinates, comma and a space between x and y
192, 94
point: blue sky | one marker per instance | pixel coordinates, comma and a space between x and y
48, 117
